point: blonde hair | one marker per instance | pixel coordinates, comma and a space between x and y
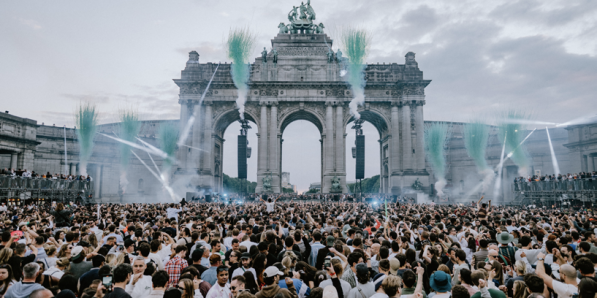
520, 267
62, 252
444, 268
5, 254
50, 250
189, 288
519, 289
62, 262
110, 258
390, 284
92, 239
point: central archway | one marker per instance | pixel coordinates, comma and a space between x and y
226, 124
376, 149
300, 148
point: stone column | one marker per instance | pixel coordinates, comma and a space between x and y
97, 180
262, 162
407, 151
73, 169
339, 167
273, 139
13, 160
420, 140
329, 139
194, 155
183, 152
394, 158
207, 138
274, 143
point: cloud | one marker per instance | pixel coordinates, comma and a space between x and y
30, 23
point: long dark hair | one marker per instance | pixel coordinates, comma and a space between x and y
426, 275
259, 266
308, 269
8, 280
250, 282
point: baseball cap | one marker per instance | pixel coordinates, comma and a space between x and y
272, 271
329, 241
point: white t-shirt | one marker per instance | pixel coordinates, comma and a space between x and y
270, 207
173, 212
564, 290
345, 286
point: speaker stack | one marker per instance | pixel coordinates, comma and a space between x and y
360, 171
242, 157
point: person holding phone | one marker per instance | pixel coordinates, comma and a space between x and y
115, 284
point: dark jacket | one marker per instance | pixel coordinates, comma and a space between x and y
273, 290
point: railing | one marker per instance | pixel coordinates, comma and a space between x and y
563, 185
28, 184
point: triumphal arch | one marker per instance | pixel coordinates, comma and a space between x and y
300, 77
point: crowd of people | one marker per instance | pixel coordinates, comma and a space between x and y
559, 177
296, 249
26, 174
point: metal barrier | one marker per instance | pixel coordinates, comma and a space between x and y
13, 190
553, 193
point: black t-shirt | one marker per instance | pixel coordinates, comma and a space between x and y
118, 293
17, 263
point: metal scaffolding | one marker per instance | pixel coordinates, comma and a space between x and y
555, 193
14, 190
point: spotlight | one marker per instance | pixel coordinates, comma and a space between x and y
239, 202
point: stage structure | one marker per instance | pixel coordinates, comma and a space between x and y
301, 77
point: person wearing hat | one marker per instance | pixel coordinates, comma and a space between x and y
245, 259
441, 283
271, 277
505, 238
78, 265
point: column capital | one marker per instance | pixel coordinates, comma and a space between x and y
330, 103
208, 102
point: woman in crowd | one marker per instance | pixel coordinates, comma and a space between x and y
6, 278
189, 289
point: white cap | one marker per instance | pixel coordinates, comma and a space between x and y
76, 250
272, 271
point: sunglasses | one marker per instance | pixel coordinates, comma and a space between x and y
222, 269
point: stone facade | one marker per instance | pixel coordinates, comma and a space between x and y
304, 84
582, 143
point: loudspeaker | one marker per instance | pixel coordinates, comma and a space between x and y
360, 171
242, 157
368, 200
207, 198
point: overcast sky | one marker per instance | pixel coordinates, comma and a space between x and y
483, 57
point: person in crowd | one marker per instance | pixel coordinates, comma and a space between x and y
25, 287
159, 280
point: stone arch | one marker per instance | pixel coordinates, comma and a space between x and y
377, 118
298, 113
224, 120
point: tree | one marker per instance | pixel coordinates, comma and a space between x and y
287, 190
312, 190
369, 185
235, 185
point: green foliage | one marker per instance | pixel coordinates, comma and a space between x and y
129, 129
287, 190
476, 135
312, 190
240, 44
86, 122
369, 185
513, 131
167, 138
435, 140
235, 185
